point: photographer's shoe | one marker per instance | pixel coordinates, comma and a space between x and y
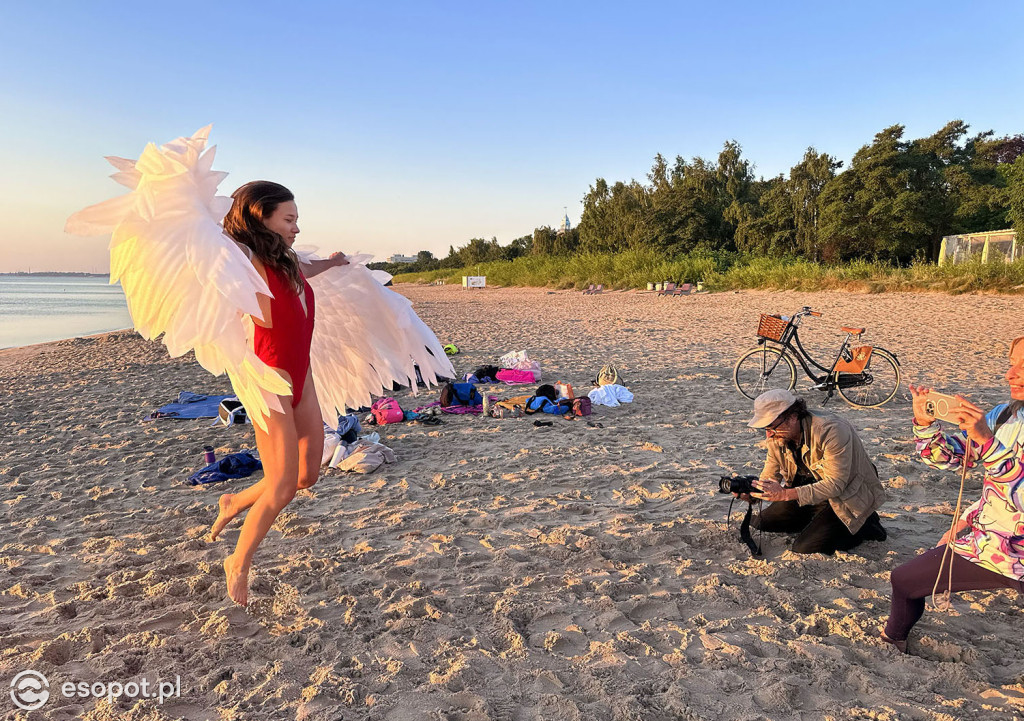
873, 530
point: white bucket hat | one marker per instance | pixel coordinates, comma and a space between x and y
770, 405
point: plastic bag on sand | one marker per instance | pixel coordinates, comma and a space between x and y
341, 452
331, 442
513, 359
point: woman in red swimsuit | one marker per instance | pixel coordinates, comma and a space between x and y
264, 219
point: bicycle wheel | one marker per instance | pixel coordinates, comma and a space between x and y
876, 385
763, 369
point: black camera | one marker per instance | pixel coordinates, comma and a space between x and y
737, 484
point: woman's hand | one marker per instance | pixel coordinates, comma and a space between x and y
338, 258
950, 535
972, 420
921, 416
772, 491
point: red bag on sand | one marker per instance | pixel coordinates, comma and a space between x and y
387, 410
511, 376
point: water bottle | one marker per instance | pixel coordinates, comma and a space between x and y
208, 455
487, 404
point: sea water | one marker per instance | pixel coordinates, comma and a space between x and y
36, 309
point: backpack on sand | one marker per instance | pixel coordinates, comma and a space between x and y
460, 394
387, 410
581, 406
609, 375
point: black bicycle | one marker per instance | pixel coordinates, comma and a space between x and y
865, 376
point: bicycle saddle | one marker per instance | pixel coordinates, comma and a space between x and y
855, 331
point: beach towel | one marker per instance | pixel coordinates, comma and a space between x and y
513, 402
513, 377
429, 409
610, 395
189, 406
233, 465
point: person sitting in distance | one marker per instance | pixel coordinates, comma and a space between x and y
821, 483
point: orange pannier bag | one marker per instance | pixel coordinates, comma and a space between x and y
859, 361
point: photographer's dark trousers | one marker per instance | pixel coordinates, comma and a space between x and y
819, 527
913, 582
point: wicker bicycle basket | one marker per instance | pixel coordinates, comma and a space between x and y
772, 327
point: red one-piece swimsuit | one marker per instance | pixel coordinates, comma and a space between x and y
286, 343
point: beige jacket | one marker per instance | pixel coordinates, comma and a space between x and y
844, 474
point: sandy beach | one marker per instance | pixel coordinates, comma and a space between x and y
498, 570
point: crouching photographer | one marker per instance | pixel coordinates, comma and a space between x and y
819, 479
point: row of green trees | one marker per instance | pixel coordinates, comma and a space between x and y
893, 203
544, 241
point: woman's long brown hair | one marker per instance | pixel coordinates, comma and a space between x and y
254, 203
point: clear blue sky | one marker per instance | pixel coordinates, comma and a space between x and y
408, 126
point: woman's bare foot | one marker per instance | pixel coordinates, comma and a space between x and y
237, 577
225, 512
901, 645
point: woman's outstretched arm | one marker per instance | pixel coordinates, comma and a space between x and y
316, 267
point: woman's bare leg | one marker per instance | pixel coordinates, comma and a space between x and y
309, 425
231, 504
278, 448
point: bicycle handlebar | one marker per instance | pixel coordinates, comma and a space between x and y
806, 310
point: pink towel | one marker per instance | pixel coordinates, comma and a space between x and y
512, 377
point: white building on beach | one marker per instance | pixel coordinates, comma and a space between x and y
991, 244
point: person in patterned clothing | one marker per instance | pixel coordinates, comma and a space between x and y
987, 542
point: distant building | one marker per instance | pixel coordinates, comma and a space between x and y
565, 227
402, 259
992, 245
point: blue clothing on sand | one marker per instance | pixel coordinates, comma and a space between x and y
546, 405
348, 428
189, 406
234, 465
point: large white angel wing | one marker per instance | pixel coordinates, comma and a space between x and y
365, 338
182, 276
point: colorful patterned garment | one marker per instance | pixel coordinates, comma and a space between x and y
995, 537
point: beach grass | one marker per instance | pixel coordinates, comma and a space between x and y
732, 271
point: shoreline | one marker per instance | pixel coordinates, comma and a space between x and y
30, 346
